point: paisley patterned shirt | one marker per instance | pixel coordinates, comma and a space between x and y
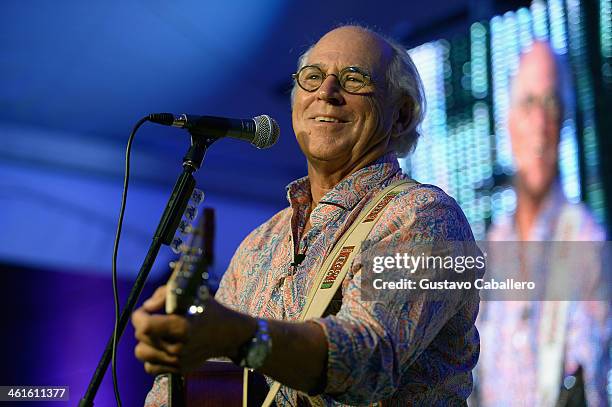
418, 352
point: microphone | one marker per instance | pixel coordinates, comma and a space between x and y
261, 131
298, 259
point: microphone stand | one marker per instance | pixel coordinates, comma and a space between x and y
163, 235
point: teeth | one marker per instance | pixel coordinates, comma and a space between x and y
326, 119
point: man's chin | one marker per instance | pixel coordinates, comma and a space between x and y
536, 189
325, 152
325, 158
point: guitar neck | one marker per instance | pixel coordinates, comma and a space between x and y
188, 286
176, 390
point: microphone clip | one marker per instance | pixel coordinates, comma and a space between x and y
298, 259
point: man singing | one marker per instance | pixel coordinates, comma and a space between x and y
356, 105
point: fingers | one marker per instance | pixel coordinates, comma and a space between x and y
173, 343
154, 369
161, 341
148, 354
156, 329
157, 300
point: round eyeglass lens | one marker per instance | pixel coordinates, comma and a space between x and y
310, 78
352, 80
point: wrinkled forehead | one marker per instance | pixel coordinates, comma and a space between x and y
341, 48
537, 74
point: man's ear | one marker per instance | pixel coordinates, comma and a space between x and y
403, 116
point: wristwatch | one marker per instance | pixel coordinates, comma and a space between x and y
254, 352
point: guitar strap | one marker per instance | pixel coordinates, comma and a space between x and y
553, 324
336, 265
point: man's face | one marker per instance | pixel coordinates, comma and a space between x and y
534, 120
333, 126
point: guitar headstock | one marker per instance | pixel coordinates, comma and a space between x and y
188, 285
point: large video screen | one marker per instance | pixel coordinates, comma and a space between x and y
465, 147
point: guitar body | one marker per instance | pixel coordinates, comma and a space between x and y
221, 384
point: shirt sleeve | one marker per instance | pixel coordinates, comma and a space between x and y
226, 294
231, 290
158, 395
371, 342
233, 279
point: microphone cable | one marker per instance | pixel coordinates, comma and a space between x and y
126, 179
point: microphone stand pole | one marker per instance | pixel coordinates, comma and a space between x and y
163, 235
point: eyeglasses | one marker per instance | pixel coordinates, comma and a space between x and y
549, 103
351, 79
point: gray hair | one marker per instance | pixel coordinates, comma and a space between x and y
403, 82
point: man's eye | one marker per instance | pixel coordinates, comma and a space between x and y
354, 78
529, 102
312, 76
550, 102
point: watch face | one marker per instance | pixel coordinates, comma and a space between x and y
257, 354
260, 352
259, 347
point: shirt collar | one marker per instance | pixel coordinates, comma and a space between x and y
350, 190
545, 222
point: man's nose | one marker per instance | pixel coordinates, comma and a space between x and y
538, 119
331, 91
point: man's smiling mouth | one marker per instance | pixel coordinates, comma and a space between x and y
328, 119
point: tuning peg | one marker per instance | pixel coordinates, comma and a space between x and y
177, 245
203, 293
184, 227
191, 212
197, 197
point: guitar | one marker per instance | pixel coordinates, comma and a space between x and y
187, 290
216, 382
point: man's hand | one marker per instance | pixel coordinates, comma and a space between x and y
159, 337
178, 344
174, 343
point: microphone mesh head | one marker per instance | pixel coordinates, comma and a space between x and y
266, 131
